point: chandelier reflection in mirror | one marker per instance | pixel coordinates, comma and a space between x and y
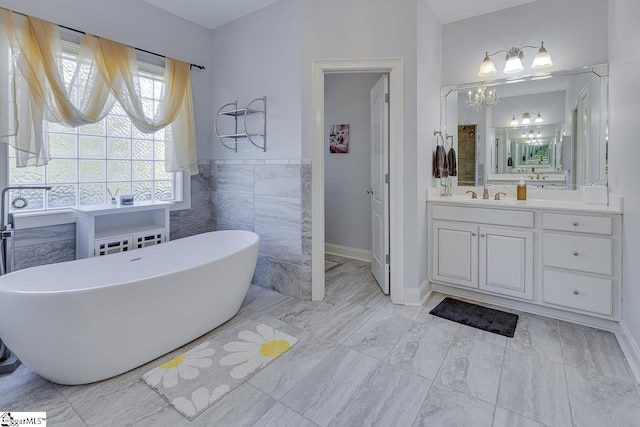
482, 98
514, 58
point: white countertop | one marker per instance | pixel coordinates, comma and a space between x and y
114, 209
565, 200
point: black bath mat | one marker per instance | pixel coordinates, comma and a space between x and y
473, 315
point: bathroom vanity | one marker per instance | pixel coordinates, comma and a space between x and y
552, 254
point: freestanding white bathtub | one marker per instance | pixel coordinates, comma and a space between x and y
83, 321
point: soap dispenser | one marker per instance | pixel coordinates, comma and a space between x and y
522, 190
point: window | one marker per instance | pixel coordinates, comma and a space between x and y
109, 156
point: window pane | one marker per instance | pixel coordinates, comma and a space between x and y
118, 170
118, 126
28, 175
33, 198
146, 88
160, 150
118, 148
142, 191
91, 147
92, 194
62, 145
92, 171
164, 190
160, 172
142, 149
142, 171
93, 129
62, 195
57, 127
61, 170
117, 109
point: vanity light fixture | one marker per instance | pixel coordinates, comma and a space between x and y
514, 60
481, 98
526, 119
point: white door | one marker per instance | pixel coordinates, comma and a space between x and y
379, 189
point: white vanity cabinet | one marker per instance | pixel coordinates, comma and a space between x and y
555, 258
104, 230
580, 262
494, 259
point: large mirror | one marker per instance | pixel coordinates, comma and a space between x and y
549, 129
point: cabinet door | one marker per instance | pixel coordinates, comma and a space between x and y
455, 253
506, 262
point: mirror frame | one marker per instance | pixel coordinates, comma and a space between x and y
599, 70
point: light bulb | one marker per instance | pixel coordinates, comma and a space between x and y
542, 58
487, 68
514, 122
526, 119
514, 61
539, 119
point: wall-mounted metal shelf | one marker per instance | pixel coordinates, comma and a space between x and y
241, 133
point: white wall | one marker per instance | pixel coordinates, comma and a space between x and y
575, 32
625, 150
347, 211
429, 47
140, 25
259, 55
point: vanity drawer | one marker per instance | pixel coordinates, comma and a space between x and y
577, 291
512, 218
588, 254
578, 223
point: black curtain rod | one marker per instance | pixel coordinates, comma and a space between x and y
199, 67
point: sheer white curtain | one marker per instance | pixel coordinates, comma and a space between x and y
105, 71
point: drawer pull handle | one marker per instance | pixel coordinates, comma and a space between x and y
576, 292
473, 234
576, 223
576, 253
482, 235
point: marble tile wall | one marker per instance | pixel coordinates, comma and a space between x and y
42, 245
198, 219
272, 198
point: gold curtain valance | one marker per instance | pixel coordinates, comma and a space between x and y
106, 71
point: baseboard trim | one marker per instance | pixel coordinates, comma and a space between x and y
417, 296
347, 252
630, 348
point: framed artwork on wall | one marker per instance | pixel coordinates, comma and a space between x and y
339, 139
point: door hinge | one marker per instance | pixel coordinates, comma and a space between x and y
387, 259
386, 98
386, 178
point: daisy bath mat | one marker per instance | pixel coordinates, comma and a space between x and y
197, 378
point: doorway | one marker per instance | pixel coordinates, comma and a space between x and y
394, 68
356, 195
467, 155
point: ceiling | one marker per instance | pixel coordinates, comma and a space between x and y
213, 13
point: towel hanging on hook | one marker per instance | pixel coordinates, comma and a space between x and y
440, 164
452, 161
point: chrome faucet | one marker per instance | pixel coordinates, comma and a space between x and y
473, 194
485, 193
497, 196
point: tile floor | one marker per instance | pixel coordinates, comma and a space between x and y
364, 361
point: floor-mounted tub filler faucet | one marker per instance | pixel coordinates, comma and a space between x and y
9, 362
